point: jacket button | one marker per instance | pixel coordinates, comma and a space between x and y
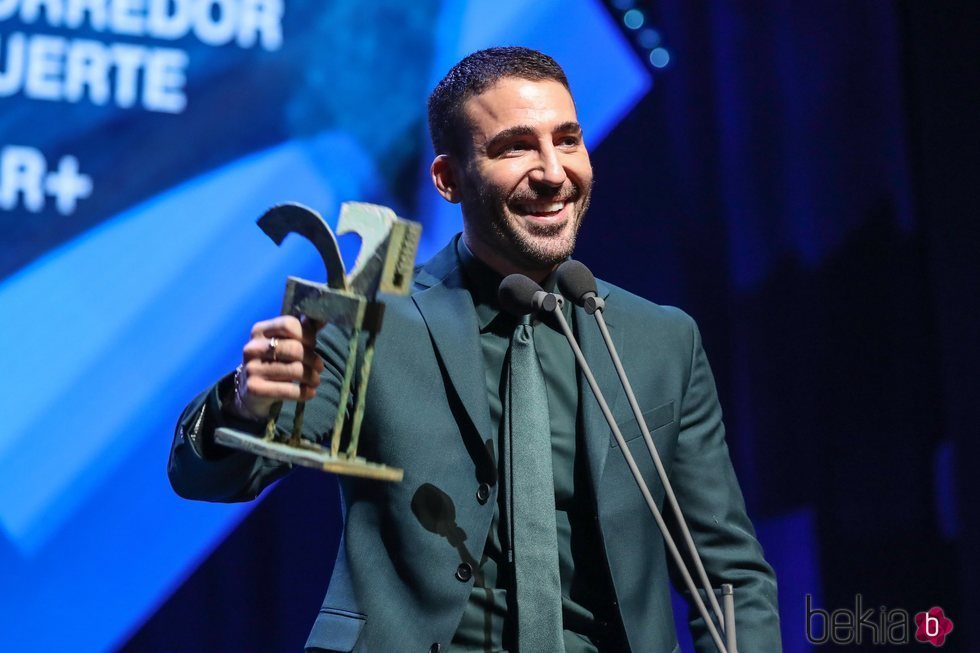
483, 493
435, 648
464, 572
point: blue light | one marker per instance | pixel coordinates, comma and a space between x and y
648, 38
659, 58
81, 516
633, 19
623, 5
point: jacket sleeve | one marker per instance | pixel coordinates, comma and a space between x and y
708, 492
201, 469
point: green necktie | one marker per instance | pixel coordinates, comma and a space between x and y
538, 584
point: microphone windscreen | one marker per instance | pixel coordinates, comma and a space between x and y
516, 294
576, 281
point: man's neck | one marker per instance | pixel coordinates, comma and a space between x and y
503, 266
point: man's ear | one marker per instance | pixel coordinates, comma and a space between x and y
444, 178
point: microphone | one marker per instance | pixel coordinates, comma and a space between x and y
520, 295
578, 283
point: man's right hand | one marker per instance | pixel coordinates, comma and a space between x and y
279, 362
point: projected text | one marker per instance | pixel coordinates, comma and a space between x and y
57, 68
27, 179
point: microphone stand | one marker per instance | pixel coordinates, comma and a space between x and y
594, 306
641, 483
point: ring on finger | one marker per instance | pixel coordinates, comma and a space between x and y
273, 350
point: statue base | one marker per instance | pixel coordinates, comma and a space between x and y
307, 454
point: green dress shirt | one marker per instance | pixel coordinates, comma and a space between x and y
488, 622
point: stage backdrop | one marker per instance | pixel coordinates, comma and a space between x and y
140, 141
755, 164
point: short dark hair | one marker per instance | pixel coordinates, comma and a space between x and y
475, 74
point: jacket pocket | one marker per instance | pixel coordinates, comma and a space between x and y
655, 418
335, 630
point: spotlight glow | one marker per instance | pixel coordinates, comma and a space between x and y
659, 58
633, 19
649, 38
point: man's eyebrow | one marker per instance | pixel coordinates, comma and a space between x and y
568, 127
508, 134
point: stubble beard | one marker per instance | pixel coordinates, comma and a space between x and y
527, 244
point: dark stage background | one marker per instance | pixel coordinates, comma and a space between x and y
800, 177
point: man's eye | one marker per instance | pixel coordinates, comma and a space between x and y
569, 141
516, 147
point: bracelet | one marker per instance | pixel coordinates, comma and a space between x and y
240, 406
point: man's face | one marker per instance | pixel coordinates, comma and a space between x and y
525, 178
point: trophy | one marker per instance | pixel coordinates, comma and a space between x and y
384, 264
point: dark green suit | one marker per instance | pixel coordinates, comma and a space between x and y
395, 585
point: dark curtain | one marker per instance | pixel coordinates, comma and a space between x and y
800, 181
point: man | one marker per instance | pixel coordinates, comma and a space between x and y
438, 561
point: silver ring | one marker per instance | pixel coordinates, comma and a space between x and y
274, 349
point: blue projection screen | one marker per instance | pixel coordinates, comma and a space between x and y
139, 140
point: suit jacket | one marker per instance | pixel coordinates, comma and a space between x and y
395, 585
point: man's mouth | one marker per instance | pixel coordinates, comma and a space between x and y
540, 208
550, 211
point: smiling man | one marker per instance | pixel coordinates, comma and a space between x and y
515, 529
519, 168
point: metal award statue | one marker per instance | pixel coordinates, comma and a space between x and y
384, 264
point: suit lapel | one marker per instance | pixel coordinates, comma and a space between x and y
597, 431
447, 308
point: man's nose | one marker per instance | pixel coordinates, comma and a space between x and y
549, 171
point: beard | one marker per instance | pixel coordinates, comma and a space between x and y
524, 243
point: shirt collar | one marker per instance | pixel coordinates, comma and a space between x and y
483, 282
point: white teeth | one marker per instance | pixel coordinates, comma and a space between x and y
553, 207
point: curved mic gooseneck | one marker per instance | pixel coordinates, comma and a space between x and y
577, 283
520, 295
